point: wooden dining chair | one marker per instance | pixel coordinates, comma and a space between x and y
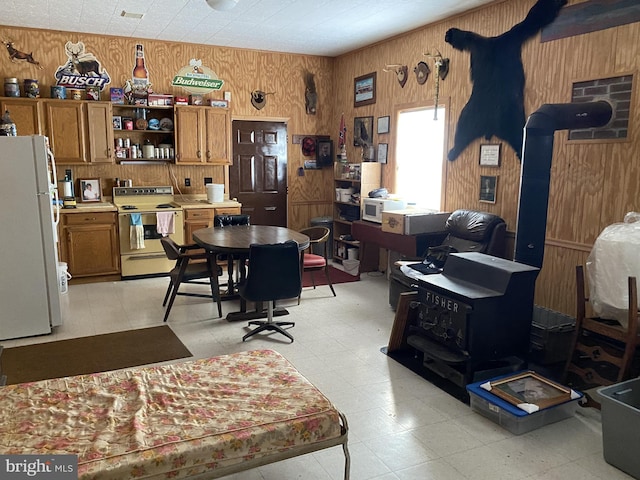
312, 262
192, 265
603, 351
222, 221
273, 274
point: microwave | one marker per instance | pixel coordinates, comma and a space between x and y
372, 208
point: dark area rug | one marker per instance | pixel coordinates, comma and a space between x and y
98, 353
336, 275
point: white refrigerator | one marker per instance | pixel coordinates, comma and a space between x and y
29, 293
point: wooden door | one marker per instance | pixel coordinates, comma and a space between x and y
189, 128
65, 128
258, 175
25, 113
99, 117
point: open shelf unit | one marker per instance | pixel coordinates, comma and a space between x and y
138, 136
360, 179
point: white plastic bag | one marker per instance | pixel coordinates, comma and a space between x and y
615, 257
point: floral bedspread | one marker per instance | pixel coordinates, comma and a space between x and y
170, 421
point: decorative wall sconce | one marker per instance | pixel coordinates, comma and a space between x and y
401, 72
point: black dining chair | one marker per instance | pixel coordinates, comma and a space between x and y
222, 221
273, 274
192, 265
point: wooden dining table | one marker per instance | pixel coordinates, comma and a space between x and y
236, 240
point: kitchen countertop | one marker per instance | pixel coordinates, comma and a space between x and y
185, 201
90, 207
200, 201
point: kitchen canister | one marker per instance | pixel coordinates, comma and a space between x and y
215, 192
31, 88
11, 87
59, 92
148, 150
76, 94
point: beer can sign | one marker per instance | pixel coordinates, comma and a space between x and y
59, 92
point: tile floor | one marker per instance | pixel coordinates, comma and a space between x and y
401, 426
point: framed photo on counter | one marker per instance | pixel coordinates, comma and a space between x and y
90, 190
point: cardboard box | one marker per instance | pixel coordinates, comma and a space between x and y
413, 221
117, 95
160, 99
181, 100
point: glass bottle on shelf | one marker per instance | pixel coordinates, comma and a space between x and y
140, 73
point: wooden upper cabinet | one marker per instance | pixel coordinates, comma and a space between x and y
203, 135
25, 113
189, 130
218, 138
65, 120
99, 119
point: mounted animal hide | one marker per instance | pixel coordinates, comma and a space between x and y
496, 105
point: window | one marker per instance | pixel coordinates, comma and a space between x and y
419, 156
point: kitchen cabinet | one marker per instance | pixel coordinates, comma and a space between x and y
360, 179
79, 131
203, 135
197, 218
26, 113
65, 127
139, 136
100, 132
89, 243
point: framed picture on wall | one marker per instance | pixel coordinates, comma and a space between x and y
362, 131
490, 155
364, 90
383, 149
383, 125
488, 187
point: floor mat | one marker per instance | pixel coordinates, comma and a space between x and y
98, 353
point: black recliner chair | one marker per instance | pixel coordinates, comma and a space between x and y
467, 231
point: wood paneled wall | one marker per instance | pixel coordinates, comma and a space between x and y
593, 184
242, 71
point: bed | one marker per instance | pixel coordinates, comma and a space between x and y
199, 419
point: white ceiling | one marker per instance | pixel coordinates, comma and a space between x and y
312, 27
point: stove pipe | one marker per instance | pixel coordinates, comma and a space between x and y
537, 152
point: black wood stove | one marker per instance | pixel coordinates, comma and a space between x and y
474, 317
